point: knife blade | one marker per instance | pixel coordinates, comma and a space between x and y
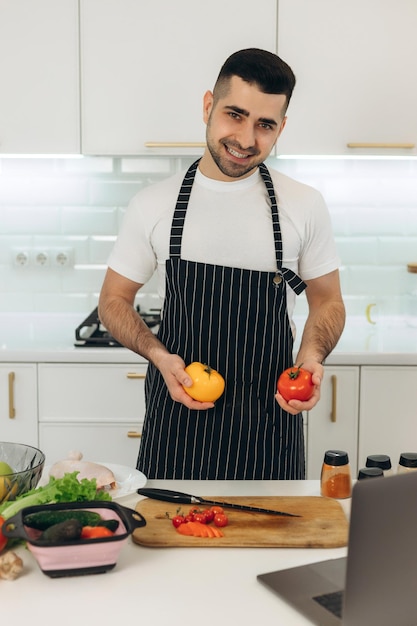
167, 495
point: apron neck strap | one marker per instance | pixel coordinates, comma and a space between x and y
180, 211
179, 218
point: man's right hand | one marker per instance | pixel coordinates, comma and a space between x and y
172, 368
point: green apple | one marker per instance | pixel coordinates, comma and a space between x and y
5, 469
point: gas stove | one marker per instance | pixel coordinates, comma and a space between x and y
92, 334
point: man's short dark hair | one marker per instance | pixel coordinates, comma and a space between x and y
266, 70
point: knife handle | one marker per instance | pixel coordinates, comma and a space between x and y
167, 495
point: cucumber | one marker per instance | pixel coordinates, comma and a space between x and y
111, 524
68, 530
42, 520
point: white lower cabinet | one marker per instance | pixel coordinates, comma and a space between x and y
388, 412
97, 409
18, 403
105, 443
333, 423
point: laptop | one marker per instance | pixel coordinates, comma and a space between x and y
376, 584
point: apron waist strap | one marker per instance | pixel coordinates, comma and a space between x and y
293, 280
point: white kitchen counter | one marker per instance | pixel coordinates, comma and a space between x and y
50, 338
169, 586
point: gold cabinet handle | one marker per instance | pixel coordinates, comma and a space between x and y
12, 410
175, 144
386, 146
333, 413
133, 434
136, 375
368, 311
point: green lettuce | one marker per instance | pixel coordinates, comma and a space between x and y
66, 489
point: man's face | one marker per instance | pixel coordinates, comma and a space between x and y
242, 128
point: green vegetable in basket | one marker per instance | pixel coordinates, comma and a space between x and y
66, 489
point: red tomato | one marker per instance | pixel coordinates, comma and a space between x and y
194, 510
216, 509
209, 515
95, 532
295, 384
208, 385
3, 539
200, 517
177, 520
220, 520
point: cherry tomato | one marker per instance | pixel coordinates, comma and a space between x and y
200, 517
209, 515
177, 520
95, 532
194, 510
216, 509
295, 384
208, 385
220, 520
189, 517
3, 539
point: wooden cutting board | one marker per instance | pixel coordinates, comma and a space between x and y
323, 524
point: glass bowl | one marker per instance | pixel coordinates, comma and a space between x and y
27, 464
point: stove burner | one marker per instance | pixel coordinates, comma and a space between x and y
91, 332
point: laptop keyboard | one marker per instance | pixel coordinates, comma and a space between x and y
333, 602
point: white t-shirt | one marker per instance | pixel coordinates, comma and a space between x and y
229, 224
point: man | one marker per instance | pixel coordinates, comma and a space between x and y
233, 244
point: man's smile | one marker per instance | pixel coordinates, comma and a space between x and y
237, 154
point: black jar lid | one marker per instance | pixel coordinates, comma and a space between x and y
336, 457
379, 460
370, 472
408, 459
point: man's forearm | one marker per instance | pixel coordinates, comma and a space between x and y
126, 325
322, 331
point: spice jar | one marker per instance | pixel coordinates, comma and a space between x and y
336, 479
407, 462
370, 472
381, 461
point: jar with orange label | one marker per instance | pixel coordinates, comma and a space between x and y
336, 479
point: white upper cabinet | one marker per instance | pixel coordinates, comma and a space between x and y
145, 67
356, 76
39, 71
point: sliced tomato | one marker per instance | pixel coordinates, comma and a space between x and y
95, 532
3, 539
197, 529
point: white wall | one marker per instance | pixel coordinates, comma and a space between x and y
76, 205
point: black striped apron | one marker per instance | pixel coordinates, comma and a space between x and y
236, 321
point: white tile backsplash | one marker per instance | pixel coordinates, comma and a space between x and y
79, 204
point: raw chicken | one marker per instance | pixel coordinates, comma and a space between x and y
104, 477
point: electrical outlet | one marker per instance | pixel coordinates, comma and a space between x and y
62, 257
41, 257
20, 257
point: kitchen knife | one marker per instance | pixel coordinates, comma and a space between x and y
184, 498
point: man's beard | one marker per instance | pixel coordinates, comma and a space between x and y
229, 167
